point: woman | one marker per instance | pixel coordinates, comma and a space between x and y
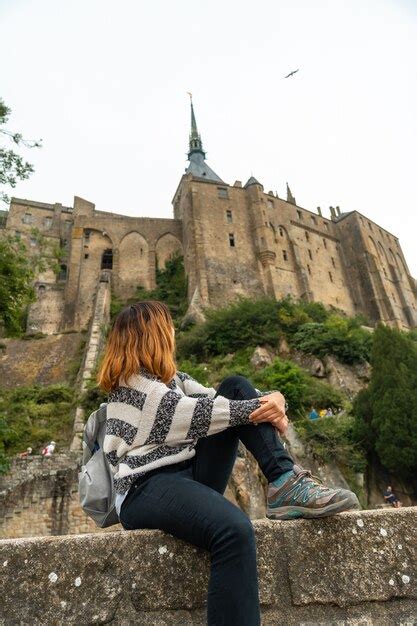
172, 444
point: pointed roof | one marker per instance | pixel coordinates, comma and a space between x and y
290, 197
196, 155
252, 181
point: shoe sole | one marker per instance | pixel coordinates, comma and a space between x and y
294, 512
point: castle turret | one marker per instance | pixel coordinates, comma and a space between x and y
263, 237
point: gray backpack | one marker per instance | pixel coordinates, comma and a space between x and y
95, 480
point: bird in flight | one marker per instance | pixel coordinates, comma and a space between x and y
291, 73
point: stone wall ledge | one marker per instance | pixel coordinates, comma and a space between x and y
354, 568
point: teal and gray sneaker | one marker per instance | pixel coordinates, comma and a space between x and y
298, 494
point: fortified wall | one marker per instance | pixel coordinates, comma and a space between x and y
236, 240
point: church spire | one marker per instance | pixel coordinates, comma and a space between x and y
196, 145
290, 197
196, 155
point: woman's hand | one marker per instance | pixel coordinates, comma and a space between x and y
272, 410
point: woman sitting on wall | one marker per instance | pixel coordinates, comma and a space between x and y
172, 444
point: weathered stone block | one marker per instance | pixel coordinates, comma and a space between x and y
310, 572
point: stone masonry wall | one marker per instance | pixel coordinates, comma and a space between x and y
353, 568
279, 249
39, 497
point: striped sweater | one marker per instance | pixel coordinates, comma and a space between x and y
151, 424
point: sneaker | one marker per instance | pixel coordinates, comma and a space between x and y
302, 495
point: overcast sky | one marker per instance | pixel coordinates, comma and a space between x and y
104, 85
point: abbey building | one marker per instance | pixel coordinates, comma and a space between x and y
235, 239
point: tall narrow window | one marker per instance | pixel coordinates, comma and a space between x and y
229, 216
308, 268
62, 272
222, 192
331, 277
281, 232
47, 222
299, 215
310, 256
324, 242
285, 255
87, 236
307, 235
27, 218
231, 240
333, 262
107, 260
313, 219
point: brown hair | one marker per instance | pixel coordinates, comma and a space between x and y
141, 336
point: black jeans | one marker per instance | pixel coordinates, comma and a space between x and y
185, 499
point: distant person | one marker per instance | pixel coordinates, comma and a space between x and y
391, 498
329, 412
172, 443
49, 449
26, 453
323, 412
313, 414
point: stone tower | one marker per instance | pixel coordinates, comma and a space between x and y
239, 240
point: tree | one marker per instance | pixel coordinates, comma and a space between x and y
12, 166
386, 411
16, 279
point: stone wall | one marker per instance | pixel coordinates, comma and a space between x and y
46, 313
279, 248
39, 497
353, 568
235, 240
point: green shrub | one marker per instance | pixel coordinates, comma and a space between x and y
308, 326
333, 439
288, 378
216, 369
241, 324
340, 336
54, 393
92, 398
320, 394
32, 416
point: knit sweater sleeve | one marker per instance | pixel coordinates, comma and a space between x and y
166, 417
192, 387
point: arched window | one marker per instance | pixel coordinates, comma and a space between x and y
107, 260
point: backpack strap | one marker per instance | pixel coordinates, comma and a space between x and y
94, 430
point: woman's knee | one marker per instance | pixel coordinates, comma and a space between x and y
237, 387
237, 532
234, 379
